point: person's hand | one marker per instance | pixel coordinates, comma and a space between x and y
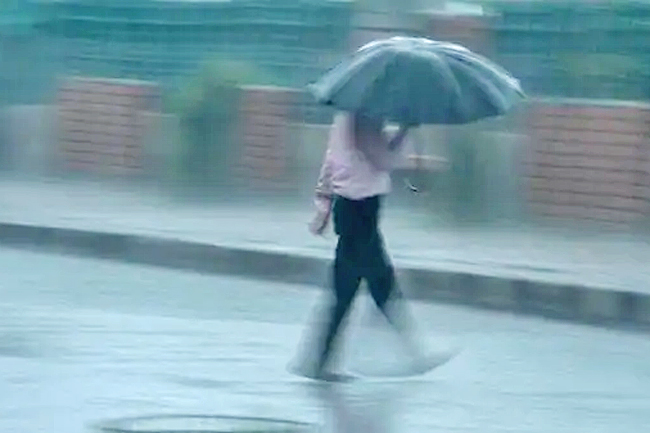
428, 162
319, 223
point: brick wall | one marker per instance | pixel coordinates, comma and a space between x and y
265, 113
102, 124
590, 162
586, 162
646, 179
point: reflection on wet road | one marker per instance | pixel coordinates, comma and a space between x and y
82, 340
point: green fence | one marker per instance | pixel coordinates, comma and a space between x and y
557, 48
164, 40
576, 48
23, 66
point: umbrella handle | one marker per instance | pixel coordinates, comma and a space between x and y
419, 153
414, 189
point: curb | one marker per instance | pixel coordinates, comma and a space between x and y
590, 305
207, 423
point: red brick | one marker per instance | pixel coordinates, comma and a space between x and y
263, 130
275, 95
589, 136
584, 161
262, 152
595, 188
628, 126
587, 213
616, 215
262, 162
588, 174
596, 201
585, 111
266, 109
263, 103
561, 148
110, 129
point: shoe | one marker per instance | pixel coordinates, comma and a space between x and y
424, 364
313, 372
328, 376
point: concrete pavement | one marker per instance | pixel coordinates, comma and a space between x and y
96, 339
594, 278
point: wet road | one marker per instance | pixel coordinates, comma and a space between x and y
82, 340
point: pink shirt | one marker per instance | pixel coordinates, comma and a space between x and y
354, 171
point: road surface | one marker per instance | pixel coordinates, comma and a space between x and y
82, 340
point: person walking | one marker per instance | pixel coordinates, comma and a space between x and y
354, 178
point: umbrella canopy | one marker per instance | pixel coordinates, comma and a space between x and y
419, 81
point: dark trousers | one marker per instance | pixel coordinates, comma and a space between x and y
360, 254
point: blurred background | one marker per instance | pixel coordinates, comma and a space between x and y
202, 98
179, 133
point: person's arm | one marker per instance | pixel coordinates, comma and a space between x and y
324, 196
324, 191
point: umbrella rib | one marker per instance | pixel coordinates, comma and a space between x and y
349, 67
370, 89
494, 69
448, 72
486, 86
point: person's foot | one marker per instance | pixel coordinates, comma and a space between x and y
330, 376
321, 374
425, 363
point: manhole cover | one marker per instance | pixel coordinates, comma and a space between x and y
202, 424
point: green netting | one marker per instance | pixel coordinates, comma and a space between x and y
557, 48
291, 42
576, 49
23, 74
164, 39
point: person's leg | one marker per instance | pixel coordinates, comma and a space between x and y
389, 299
345, 282
394, 307
380, 274
345, 275
377, 268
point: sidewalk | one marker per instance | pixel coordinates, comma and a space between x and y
571, 275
